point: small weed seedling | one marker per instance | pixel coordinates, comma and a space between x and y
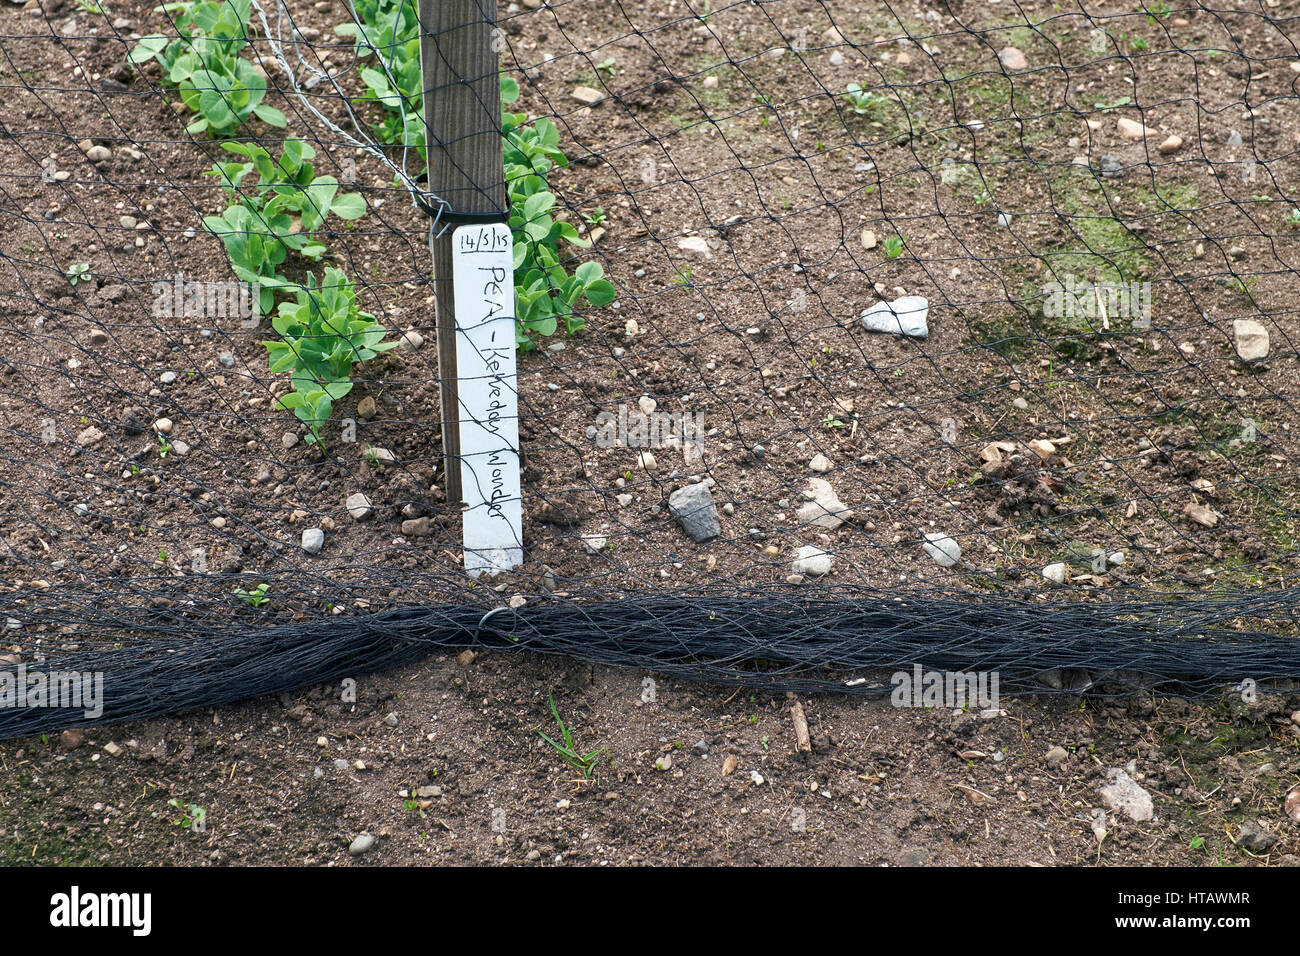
256, 597
864, 102
894, 246
193, 816
585, 764
80, 272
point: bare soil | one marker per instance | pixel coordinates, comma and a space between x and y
725, 125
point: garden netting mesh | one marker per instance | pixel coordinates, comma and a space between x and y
851, 337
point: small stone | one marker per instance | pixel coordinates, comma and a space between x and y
1251, 339
1123, 795
868, 239
812, 561
647, 404
411, 339
359, 506
943, 550
72, 739
647, 461
89, 436
1132, 129
823, 509
587, 96
1013, 59
289, 439
694, 508
366, 408
820, 463
226, 360
1111, 166
1042, 448
1171, 144
1201, 514
167, 378
710, 83
180, 448
517, 601
313, 539
903, 316
163, 426
360, 845
695, 247
99, 154
391, 719
112, 749
594, 543
1253, 837
1056, 756
1056, 573
665, 762
416, 527
97, 338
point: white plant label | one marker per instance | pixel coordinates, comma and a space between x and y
484, 288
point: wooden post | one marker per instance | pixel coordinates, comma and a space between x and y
462, 122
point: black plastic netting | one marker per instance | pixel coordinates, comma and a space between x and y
857, 337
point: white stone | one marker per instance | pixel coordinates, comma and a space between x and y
1123, 795
1055, 572
1251, 339
695, 247
811, 560
823, 509
1012, 58
903, 316
587, 96
942, 549
359, 506
313, 539
1132, 129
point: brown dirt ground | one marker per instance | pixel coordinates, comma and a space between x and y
882, 785
761, 338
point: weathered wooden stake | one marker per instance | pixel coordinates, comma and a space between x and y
462, 121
